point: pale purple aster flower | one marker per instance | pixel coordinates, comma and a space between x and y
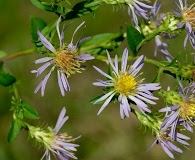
182, 113
163, 140
66, 60
161, 46
154, 21
60, 144
188, 14
138, 8
123, 84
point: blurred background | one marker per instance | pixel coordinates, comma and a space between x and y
106, 136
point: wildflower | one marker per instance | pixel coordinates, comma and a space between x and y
149, 28
182, 109
135, 8
163, 139
139, 8
123, 84
161, 46
60, 145
66, 60
153, 123
187, 13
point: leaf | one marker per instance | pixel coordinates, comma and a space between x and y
5, 78
2, 54
29, 111
50, 7
101, 42
96, 98
14, 130
133, 38
36, 23
82, 9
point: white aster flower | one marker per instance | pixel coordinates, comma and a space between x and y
123, 84
66, 60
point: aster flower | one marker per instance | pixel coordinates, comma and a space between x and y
136, 7
153, 123
60, 145
124, 85
151, 26
182, 113
163, 140
187, 13
139, 8
66, 60
161, 46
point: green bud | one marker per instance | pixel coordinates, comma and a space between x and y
170, 97
150, 121
187, 72
41, 135
147, 29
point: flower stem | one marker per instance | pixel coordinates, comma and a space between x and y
149, 37
17, 54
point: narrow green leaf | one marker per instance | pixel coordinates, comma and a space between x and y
5, 78
101, 42
96, 98
36, 23
38, 4
133, 38
14, 130
82, 9
50, 7
29, 111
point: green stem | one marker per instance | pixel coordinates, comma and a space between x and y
17, 54
15, 90
149, 37
155, 63
151, 61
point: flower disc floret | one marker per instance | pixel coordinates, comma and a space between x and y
189, 15
125, 85
67, 62
187, 110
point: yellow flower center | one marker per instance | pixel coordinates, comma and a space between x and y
189, 16
125, 84
187, 110
68, 62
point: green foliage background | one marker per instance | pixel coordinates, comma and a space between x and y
104, 137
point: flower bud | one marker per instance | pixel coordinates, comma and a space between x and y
187, 72
170, 97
